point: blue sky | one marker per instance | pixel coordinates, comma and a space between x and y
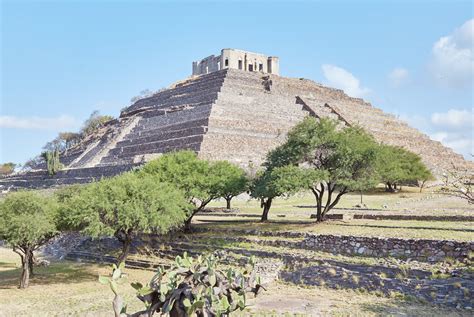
61, 60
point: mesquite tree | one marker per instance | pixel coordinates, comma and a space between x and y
279, 181
344, 159
234, 180
191, 287
396, 166
27, 221
124, 206
200, 180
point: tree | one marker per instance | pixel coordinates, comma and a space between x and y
7, 168
27, 221
93, 123
53, 163
200, 180
397, 166
459, 183
279, 181
344, 159
124, 206
234, 180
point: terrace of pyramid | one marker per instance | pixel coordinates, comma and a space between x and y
227, 114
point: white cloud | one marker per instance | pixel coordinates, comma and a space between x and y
452, 61
453, 128
63, 122
398, 76
453, 119
340, 78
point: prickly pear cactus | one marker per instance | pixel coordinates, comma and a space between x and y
191, 287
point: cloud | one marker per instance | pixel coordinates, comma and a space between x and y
452, 62
453, 119
60, 123
342, 79
398, 76
453, 128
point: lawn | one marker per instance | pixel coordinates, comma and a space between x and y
67, 288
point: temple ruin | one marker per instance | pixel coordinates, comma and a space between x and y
237, 59
227, 114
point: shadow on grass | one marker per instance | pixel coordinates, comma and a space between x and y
56, 273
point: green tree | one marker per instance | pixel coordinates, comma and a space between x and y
234, 180
53, 163
124, 206
200, 180
279, 181
344, 158
27, 221
396, 166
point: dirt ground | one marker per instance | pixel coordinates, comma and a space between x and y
71, 289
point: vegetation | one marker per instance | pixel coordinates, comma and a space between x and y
124, 206
191, 287
63, 142
397, 166
93, 123
234, 180
334, 161
53, 163
7, 168
200, 180
274, 182
27, 221
459, 184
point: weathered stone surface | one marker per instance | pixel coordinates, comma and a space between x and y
227, 115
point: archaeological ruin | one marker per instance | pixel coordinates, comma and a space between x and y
235, 107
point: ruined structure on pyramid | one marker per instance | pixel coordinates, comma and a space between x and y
236, 107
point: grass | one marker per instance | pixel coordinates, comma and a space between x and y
442, 230
293, 215
71, 289
409, 200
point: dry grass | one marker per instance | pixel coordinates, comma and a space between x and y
72, 289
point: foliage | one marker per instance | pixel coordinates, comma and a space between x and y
234, 180
200, 180
191, 287
123, 206
396, 166
52, 161
280, 181
7, 168
93, 123
63, 142
27, 221
343, 158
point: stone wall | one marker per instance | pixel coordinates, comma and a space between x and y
415, 249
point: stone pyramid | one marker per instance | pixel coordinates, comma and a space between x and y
229, 115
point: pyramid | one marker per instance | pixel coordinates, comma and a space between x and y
231, 115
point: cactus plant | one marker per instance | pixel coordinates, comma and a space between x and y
191, 287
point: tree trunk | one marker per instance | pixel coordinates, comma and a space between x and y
361, 202
266, 208
126, 244
187, 224
25, 265
228, 199
31, 263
